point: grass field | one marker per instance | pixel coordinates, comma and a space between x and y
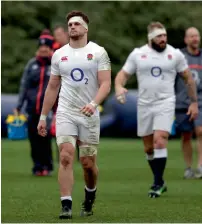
122, 190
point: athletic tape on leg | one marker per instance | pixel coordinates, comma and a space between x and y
87, 150
66, 139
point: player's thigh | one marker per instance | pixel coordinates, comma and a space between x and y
182, 123
89, 130
198, 123
163, 121
160, 139
164, 117
66, 131
89, 134
144, 121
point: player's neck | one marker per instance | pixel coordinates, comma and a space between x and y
78, 43
192, 51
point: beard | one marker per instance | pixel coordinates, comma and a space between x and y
75, 35
194, 46
157, 47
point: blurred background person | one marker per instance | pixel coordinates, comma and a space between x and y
60, 36
60, 39
193, 54
32, 89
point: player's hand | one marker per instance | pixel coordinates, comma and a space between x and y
42, 128
193, 111
88, 110
120, 94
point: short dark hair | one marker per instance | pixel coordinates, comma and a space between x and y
60, 26
77, 13
153, 25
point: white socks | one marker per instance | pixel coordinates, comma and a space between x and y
160, 153
90, 190
66, 198
70, 198
149, 156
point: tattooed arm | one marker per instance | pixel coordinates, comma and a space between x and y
192, 92
191, 85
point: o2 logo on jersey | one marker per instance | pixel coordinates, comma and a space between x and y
77, 75
156, 71
195, 76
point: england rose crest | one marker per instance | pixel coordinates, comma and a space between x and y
169, 56
89, 57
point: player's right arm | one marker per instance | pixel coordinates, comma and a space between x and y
50, 94
122, 77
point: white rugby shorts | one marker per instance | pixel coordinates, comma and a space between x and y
155, 117
87, 129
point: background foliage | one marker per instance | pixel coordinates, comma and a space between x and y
118, 26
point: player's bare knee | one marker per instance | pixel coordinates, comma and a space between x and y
66, 155
160, 140
65, 158
87, 162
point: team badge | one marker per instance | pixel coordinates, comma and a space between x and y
64, 58
169, 56
89, 57
144, 56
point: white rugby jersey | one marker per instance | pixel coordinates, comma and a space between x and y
78, 69
156, 72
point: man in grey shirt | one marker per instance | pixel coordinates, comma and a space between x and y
193, 55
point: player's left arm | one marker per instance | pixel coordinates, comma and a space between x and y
184, 71
104, 81
104, 78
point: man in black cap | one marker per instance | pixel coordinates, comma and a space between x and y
32, 89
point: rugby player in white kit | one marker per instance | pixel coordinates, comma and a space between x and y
156, 65
83, 70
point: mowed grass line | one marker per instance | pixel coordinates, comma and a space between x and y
122, 190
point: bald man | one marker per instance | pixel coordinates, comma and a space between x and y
193, 54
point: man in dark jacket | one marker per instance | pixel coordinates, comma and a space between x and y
32, 89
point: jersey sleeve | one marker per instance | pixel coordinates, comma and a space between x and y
130, 64
55, 64
104, 61
181, 63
